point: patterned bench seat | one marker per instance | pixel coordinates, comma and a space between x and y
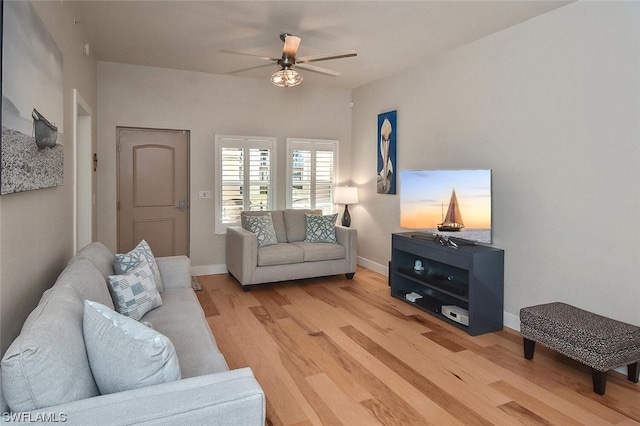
599, 342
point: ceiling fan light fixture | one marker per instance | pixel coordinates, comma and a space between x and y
291, 45
286, 78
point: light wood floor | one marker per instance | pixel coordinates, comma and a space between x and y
332, 351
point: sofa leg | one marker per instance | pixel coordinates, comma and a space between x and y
350, 275
633, 372
246, 288
529, 347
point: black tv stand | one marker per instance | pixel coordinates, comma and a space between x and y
470, 277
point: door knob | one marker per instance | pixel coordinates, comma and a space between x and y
182, 204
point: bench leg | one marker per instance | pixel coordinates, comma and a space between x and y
633, 373
599, 381
529, 347
350, 275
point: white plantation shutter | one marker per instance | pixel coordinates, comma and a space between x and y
311, 171
244, 178
325, 181
259, 179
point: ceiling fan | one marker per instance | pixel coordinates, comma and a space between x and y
288, 76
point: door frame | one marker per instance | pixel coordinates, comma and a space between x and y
153, 129
83, 195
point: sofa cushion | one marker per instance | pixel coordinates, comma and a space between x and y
135, 293
86, 280
182, 320
100, 256
280, 254
262, 226
321, 229
47, 364
123, 263
125, 354
296, 223
321, 251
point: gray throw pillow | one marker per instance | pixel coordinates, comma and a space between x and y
262, 226
135, 293
47, 364
125, 354
123, 263
321, 229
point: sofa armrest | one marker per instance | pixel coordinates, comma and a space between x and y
175, 271
348, 237
228, 398
242, 254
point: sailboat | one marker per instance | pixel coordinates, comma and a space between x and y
46, 133
452, 222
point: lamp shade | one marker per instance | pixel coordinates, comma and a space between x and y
346, 195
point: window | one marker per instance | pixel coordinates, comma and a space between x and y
244, 177
311, 171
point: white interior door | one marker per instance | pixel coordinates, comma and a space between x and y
153, 190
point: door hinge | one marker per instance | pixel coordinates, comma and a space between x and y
118, 205
118, 146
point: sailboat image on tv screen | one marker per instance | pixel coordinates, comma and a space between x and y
452, 222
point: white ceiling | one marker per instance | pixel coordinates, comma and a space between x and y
388, 35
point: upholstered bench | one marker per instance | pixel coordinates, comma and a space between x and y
599, 342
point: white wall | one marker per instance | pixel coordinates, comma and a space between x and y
36, 226
207, 105
552, 106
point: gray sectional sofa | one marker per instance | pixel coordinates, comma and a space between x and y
46, 374
291, 257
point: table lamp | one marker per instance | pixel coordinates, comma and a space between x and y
346, 195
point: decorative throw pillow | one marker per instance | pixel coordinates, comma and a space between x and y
123, 263
321, 229
135, 293
262, 226
125, 354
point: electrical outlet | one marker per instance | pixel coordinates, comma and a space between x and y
204, 194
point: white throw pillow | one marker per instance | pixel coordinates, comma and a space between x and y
321, 229
135, 293
263, 227
125, 354
123, 263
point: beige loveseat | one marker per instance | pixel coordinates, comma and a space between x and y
291, 257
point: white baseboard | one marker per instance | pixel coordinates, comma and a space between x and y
511, 321
373, 266
209, 270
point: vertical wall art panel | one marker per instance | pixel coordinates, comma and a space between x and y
32, 102
387, 136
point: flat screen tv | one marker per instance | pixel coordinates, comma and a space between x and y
453, 203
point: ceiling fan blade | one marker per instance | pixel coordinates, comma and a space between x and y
266, 58
317, 58
291, 45
250, 68
319, 70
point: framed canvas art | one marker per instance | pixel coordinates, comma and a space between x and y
32, 102
387, 137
